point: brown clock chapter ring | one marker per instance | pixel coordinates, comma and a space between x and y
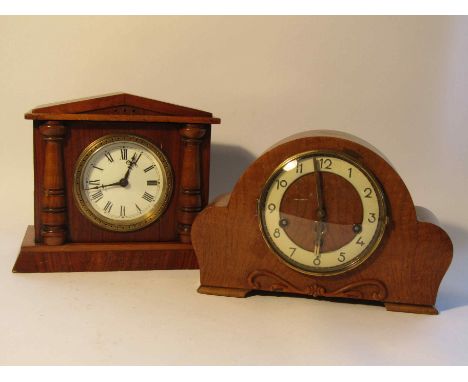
404, 272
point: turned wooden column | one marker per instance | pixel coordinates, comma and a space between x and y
53, 213
190, 198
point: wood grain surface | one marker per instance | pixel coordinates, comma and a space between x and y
82, 122
404, 272
98, 257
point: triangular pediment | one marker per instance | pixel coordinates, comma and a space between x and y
119, 104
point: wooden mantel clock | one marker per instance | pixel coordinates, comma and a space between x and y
118, 182
322, 214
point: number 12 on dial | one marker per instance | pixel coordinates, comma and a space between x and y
322, 212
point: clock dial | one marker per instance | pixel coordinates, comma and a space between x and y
322, 213
122, 182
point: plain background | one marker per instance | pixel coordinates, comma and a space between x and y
398, 82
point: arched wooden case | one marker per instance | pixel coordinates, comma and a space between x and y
404, 272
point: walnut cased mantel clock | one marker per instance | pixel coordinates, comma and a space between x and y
322, 214
118, 182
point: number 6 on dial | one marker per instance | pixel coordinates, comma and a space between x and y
333, 211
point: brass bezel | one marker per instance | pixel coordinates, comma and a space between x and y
358, 260
83, 203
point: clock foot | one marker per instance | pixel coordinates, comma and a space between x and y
411, 308
222, 291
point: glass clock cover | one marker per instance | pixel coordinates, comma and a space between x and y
322, 212
122, 182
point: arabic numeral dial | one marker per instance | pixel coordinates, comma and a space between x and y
323, 213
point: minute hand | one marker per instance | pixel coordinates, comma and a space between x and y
319, 191
103, 186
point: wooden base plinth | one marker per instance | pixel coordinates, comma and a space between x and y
99, 257
390, 306
221, 291
409, 308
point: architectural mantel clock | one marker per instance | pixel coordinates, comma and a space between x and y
118, 182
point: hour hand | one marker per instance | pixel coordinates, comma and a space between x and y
130, 165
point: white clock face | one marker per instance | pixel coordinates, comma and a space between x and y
122, 182
322, 213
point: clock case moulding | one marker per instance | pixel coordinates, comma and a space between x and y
62, 239
404, 272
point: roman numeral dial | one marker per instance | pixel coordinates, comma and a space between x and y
148, 197
122, 182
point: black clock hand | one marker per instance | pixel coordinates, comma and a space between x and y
122, 182
319, 190
321, 214
104, 185
130, 166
